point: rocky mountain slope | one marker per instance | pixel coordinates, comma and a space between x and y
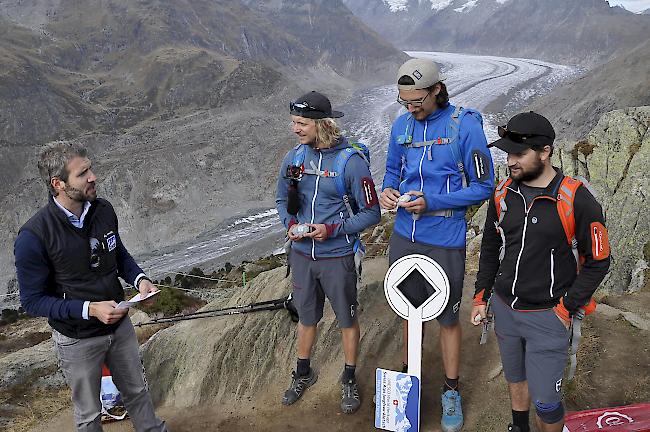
576, 107
585, 32
182, 103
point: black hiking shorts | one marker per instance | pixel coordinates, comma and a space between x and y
334, 278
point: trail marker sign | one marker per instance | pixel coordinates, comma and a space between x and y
397, 394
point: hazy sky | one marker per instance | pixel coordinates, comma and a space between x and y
632, 5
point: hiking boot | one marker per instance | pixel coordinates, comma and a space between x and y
452, 412
513, 428
350, 400
298, 386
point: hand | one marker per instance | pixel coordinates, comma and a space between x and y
145, 287
318, 233
292, 236
478, 311
388, 198
418, 205
105, 311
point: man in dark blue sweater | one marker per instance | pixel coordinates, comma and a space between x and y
68, 259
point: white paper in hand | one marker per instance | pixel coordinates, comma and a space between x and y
135, 300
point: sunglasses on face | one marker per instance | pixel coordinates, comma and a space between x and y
516, 136
415, 103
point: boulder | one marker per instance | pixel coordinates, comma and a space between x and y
614, 158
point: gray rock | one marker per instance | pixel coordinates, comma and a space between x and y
378, 234
614, 159
27, 365
639, 278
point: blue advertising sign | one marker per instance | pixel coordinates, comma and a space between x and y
397, 397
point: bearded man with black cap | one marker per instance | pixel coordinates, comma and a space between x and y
538, 269
325, 197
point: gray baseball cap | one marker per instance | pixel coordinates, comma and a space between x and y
424, 73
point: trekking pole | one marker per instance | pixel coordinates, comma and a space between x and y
269, 305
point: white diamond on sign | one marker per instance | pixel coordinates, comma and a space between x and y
432, 273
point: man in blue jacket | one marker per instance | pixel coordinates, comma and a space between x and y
68, 259
438, 158
325, 198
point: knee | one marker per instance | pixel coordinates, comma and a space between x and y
549, 413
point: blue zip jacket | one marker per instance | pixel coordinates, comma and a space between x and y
439, 178
320, 203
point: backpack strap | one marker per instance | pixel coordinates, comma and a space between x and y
407, 137
454, 125
499, 198
501, 208
299, 155
341, 161
565, 197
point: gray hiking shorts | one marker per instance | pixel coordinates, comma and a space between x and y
334, 278
533, 346
417, 290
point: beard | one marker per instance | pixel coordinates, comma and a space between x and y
80, 195
530, 174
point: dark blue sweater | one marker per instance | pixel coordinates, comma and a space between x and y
33, 270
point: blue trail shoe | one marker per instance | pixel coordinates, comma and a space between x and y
452, 412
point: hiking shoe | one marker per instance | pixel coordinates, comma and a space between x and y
513, 428
298, 386
452, 412
350, 400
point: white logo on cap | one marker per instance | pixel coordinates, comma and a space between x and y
417, 74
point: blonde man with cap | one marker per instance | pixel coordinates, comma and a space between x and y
323, 226
438, 159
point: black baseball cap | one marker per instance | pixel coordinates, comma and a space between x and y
523, 131
313, 105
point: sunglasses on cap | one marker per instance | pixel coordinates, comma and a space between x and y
516, 136
301, 107
415, 103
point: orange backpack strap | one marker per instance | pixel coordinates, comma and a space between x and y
499, 198
565, 196
501, 208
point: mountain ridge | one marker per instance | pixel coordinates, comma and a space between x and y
585, 32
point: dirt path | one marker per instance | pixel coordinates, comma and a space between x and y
611, 349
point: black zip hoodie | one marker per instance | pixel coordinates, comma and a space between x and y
539, 267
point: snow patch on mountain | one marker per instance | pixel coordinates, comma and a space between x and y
439, 5
397, 5
471, 4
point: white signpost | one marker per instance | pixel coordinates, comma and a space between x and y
397, 395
